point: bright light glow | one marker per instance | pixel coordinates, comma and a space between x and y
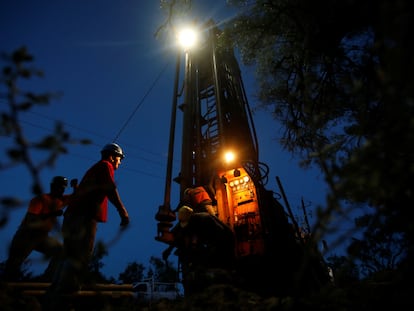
187, 38
229, 157
246, 178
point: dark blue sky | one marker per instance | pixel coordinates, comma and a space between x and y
103, 57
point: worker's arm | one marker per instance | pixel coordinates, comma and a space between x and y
166, 253
115, 199
52, 214
37, 221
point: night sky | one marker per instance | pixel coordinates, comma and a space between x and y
116, 81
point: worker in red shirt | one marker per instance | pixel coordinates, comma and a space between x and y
87, 208
199, 200
33, 232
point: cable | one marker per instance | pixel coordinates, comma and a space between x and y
140, 103
92, 159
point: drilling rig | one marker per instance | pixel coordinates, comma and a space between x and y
271, 258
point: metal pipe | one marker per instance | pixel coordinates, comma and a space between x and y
168, 178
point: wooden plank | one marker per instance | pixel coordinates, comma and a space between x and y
83, 293
95, 287
27, 284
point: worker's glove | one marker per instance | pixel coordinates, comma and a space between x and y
52, 214
165, 254
57, 213
74, 182
124, 221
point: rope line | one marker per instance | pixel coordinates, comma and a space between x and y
140, 103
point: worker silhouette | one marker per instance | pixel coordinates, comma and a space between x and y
203, 239
204, 243
87, 208
33, 232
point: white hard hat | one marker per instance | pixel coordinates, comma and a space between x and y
114, 149
184, 215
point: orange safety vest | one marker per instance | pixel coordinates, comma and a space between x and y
198, 195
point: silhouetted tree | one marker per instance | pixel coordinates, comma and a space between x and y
134, 272
16, 68
95, 264
163, 271
344, 270
379, 249
337, 76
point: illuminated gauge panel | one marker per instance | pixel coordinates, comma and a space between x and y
240, 184
243, 195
